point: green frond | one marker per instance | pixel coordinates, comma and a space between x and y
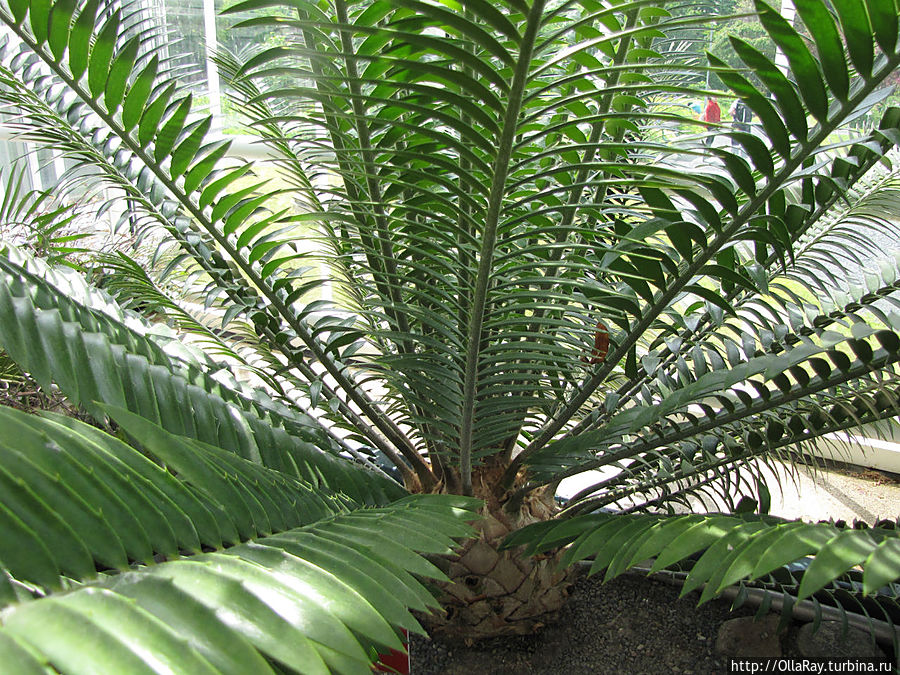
724, 395
166, 149
197, 547
383, 148
731, 549
38, 220
134, 288
55, 338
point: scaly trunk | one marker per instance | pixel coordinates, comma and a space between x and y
492, 592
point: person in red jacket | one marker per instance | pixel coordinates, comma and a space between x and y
712, 114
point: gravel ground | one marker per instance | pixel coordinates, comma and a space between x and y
631, 625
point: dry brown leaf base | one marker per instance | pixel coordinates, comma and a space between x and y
493, 593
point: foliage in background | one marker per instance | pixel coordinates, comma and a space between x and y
749, 31
37, 222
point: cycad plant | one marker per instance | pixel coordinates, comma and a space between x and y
537, 268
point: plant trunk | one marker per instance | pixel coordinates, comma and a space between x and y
491, 592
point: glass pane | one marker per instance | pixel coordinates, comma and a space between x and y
12, 156
244, 41
183, 20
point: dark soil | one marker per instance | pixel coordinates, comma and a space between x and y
631, 626
19, 391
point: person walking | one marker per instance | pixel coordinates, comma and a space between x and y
741, 116
712, 114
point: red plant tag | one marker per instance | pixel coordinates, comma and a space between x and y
601, 345
396, 661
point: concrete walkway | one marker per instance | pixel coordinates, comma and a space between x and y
810, 493
846, 494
